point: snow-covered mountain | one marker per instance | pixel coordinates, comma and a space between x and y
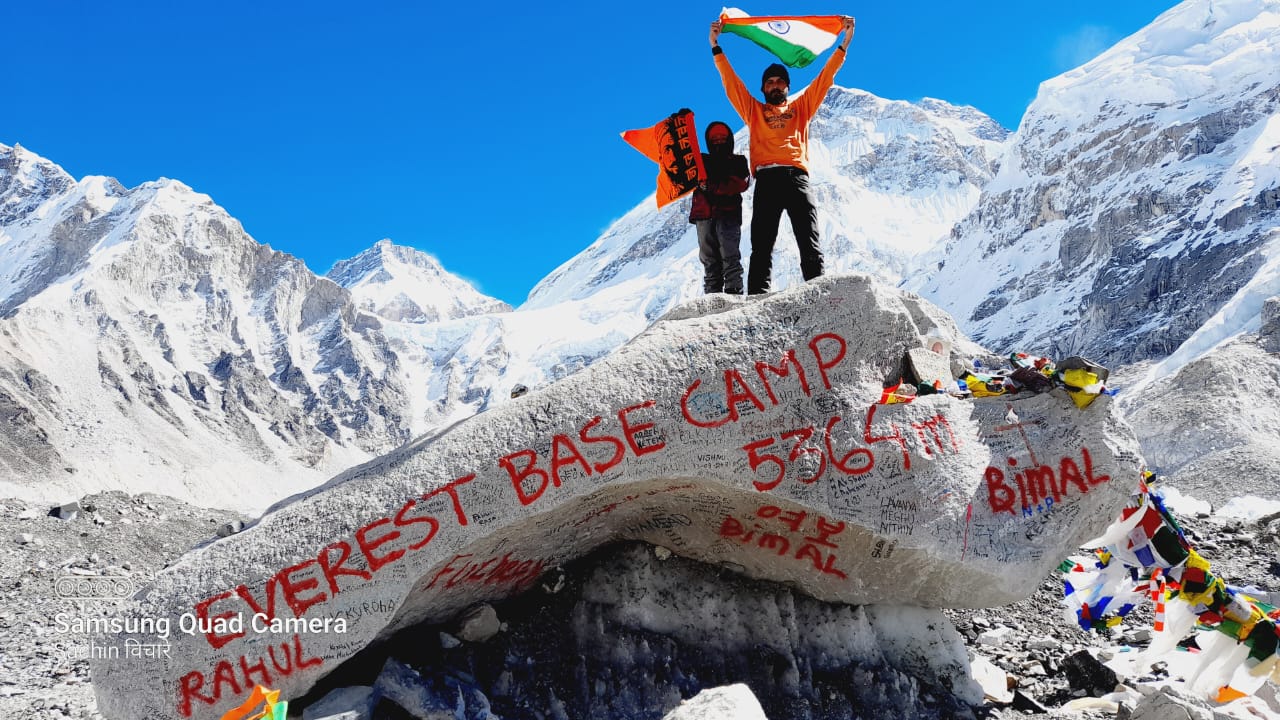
890, 178
149, 344
403, 284
1137, 202
459, 350
1211, 426
449, 338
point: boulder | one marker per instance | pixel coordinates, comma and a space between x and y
69, 511
1027, 705
928, 366
993, 681
1269, 331
479, 624
1088, 673
346, 703
1168, 704
738, 431
230, 528
996, 636
732, 702
429, 698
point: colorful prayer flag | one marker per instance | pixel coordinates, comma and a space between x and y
796, 39
262, 704
673, 144
1146, 553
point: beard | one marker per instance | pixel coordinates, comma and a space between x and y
721, 149
775, 97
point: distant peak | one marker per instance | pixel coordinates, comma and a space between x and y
384, 255
25, 156
406, 284
28, 181
385, 251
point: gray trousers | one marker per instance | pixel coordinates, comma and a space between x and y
718, 240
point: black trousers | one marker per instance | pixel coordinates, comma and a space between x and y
779, 189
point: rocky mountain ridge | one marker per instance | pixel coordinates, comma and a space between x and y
1137, 199
149, 344
251, 377
402, 284
890, 179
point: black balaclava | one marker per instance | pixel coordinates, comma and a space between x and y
719, 149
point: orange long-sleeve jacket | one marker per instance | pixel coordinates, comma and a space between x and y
779, 133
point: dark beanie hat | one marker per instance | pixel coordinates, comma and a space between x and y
776, 70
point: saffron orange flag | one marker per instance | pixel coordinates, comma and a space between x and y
673, 144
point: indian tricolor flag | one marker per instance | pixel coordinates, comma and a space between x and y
795, 39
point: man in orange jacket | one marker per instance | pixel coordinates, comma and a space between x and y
779, 152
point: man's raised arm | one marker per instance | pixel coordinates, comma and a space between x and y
737, 93
817, 90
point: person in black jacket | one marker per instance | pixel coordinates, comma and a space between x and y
717, 212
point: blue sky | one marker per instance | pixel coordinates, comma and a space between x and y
486, 135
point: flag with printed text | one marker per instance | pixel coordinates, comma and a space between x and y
673, 144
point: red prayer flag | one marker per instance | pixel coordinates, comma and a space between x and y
673, 144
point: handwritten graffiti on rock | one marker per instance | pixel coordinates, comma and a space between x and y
625, 500
898, 516
1021, 427
531, 481
1038, 488
339, 566
817, 548
234, 679
501, 571
353, 613
999, 541
379, 543
808, 452
883, 549
826, 349
659, 521
927, 430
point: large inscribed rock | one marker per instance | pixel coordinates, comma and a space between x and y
740, 432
